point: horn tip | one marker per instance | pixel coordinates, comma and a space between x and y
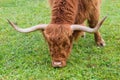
9, 21
105, 17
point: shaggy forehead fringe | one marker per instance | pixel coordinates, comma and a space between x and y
58, 32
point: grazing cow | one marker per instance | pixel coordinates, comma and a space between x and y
67, 23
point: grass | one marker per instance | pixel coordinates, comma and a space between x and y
26, 56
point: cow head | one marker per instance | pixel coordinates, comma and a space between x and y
59, 38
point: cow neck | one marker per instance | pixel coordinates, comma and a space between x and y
64, 11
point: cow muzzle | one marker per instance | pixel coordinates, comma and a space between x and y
58, 64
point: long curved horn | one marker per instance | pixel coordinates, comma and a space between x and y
27, 30
87, 29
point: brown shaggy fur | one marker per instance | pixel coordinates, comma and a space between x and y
59, 38
65, 13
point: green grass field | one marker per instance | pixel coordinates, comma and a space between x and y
26, 56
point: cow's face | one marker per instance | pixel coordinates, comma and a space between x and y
59, 38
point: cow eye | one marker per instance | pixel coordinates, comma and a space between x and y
65, 45
62, 55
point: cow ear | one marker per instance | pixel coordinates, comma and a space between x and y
71, 32
45, 34
68, 29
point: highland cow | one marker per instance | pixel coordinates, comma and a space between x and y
67, 24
